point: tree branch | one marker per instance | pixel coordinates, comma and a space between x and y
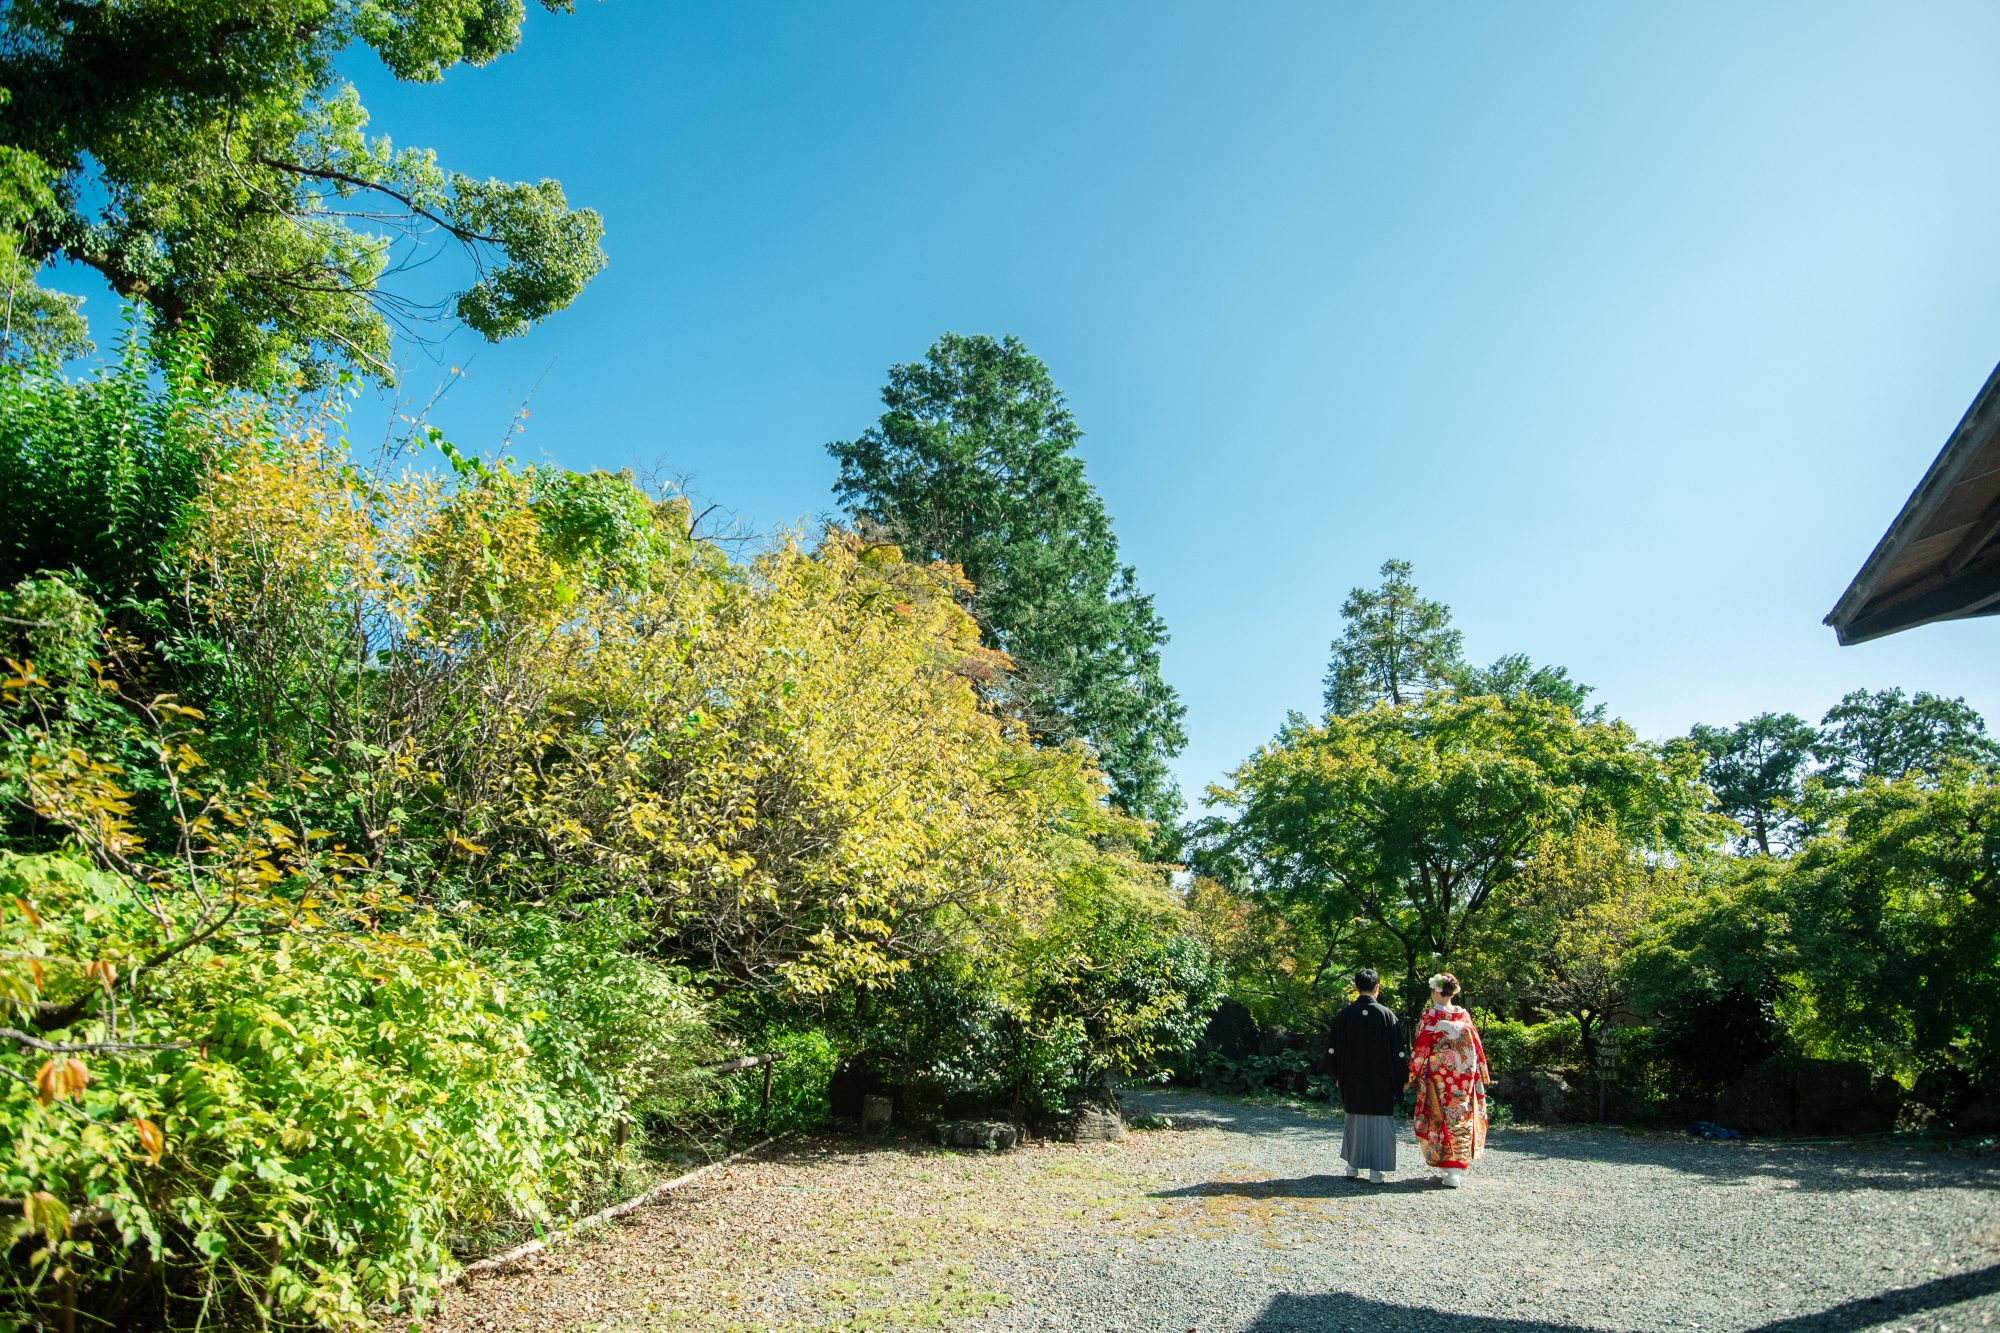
90, 1047
338, 177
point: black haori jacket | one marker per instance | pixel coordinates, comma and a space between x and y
1368, 1058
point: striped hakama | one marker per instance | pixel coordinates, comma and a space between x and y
1368, 1142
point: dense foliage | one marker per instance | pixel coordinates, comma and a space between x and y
383, 854
1771, 889
1416, 817
207, 159
974, 461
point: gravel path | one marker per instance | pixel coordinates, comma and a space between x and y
1238, 1220
1554, 1229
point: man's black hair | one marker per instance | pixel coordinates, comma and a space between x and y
1367, 979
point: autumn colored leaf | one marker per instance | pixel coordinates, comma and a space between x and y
60, 1079
152, 1142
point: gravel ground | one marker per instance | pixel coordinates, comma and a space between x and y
1553, 1229
1237, 1220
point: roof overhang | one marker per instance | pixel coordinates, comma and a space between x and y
1940, 559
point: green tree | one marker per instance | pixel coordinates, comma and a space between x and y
974, 461
1417, 816
34, 322
1396, 647
204, 157
1886, 734
1895, 922
1868, 943
1583, 896
1514, 675
1757, 771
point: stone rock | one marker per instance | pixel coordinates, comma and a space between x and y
1095, 1124
1274, 1040
996, 1135
1537, 1095
1553, 1094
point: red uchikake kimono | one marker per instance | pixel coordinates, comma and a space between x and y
1448, 1065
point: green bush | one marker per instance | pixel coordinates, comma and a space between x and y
94, 475
1283, 1072
1512, 1045
622, 1030
953, 1045
297, 1115
798, 1083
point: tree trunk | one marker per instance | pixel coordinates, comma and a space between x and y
1415, 989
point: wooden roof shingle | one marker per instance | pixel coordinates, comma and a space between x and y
1940, 559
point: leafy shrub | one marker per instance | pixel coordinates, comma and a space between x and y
1512, 1045
94, 476
621, 1029
952, 1043
1283, 1072
287, 1115
1143, 991
798, 1083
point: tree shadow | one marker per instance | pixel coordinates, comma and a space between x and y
1814, 1167
1202, 1110
1337, 1186
1331, 1311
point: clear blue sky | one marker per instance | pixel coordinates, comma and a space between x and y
1631, 326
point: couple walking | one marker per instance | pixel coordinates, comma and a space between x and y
1446, 1065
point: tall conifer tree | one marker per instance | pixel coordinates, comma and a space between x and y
974, 461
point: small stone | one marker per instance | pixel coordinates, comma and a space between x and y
995, 1135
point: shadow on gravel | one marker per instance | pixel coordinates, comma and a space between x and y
1850, 1166
1303, 1187
1195, 1110
1338, 1310
1936, 1294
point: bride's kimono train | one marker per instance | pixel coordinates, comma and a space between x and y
1448, 1065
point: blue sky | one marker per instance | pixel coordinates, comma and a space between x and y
1631, 326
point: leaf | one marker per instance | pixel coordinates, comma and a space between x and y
463, 844
152, 1142
44, 1212
60, 1079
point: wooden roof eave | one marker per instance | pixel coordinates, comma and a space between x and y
1904, 582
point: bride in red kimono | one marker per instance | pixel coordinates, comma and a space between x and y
1448, 1070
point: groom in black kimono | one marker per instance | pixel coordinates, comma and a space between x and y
1368, 1063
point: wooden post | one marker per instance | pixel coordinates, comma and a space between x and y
1607, 1069
764, 1115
